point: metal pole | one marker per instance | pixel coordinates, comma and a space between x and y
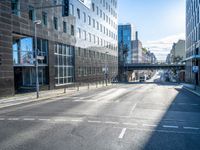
36, 61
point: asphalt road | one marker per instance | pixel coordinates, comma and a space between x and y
156, 116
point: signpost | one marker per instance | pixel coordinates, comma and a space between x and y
195, 69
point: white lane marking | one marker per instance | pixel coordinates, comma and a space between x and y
60, 120
191, 128
121, 135
76, 120
182, 104
43, 119
29, 119
2, 118
111, 122
85, 101
168, 126
149, 125
132, 109
94, 121
132, 124
195, 104
13, 119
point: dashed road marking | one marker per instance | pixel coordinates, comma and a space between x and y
132, 109
149, 125
169, 126
2, 118
13, 119
111, 122
76, 120
28, 119
132, 124
94, 121
195, 104
191, 128
60, 120
43, 119
121, 135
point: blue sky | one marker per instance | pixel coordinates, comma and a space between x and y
159, 22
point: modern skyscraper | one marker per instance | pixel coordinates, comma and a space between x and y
192, 41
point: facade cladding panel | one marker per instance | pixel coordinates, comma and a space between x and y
192, 40
96, 39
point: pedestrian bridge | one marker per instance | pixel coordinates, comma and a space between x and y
142, 66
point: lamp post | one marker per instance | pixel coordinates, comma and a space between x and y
106, 68
36, 22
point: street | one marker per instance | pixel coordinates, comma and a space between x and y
134, 116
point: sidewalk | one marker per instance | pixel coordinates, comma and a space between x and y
191, 88
45, 95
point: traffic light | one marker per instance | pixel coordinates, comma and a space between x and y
65, 8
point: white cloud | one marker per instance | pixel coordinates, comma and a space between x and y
163, 46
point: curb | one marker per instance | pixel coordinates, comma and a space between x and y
192, 91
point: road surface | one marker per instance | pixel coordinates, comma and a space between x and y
150, 116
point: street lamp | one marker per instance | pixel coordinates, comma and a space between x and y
106, 68
36, 22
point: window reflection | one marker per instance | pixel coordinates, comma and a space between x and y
23, 51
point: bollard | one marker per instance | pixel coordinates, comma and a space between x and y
88, 86
65, 90
78, 87
96, 84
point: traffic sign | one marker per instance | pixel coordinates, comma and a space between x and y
195, 69
40, 57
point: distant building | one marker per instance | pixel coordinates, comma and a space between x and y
126, 34
192, 40
177, 53
137, 53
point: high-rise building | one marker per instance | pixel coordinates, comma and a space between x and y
75, 43
192, 41
126, 34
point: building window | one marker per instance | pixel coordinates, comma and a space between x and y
55, 22
64, 27
84, 16
84, 35
71, 9
31, 13
93, 23
78, 13
90, 37
72, 29
89, 20
79, 33
15, 7
44, 18
93, 7
23, 51
64, 64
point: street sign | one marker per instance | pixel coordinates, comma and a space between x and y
40, 57
195, 69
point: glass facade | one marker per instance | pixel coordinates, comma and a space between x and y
192, 40
124, 43
24, 61
64, 64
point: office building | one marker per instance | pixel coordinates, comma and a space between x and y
73, 45
192, 41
